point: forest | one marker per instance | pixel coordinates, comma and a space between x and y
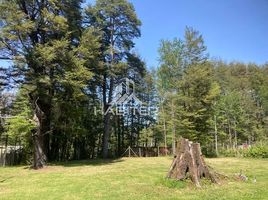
68, 59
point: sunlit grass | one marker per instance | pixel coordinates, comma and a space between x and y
133, 178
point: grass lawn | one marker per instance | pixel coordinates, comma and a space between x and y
133, 178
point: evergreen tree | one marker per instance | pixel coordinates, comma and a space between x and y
190, 87
119, 25
37, 36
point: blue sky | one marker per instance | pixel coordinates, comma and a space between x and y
232, 29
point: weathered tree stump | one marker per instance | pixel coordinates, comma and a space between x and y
189, 161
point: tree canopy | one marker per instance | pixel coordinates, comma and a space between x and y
73, 66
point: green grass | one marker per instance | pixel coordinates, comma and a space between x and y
133, 178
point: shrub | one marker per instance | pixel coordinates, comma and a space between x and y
228, 152
256, 151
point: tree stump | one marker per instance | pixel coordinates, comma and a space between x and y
189, 161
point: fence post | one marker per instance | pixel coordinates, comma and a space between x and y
14, 152
1, 155
5, 152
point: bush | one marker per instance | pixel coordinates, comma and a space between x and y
256, 151
228, 152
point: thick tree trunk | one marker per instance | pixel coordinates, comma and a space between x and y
39, 154
189, 161
39, 157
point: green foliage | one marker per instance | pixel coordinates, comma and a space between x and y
186, 86
20, 126
193, 91
195, 50
68, 61
256, 151
228, 152
119, 26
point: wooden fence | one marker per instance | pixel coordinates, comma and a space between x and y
10, 154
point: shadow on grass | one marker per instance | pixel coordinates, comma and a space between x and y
93, 162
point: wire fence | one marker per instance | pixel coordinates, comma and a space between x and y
147, 151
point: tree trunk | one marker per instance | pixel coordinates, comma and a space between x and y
165, 130
230, 134
106, 135
235, 135
39, 155
107, 120
190, 161
216, 135
173, 129
118, 136
39, 158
